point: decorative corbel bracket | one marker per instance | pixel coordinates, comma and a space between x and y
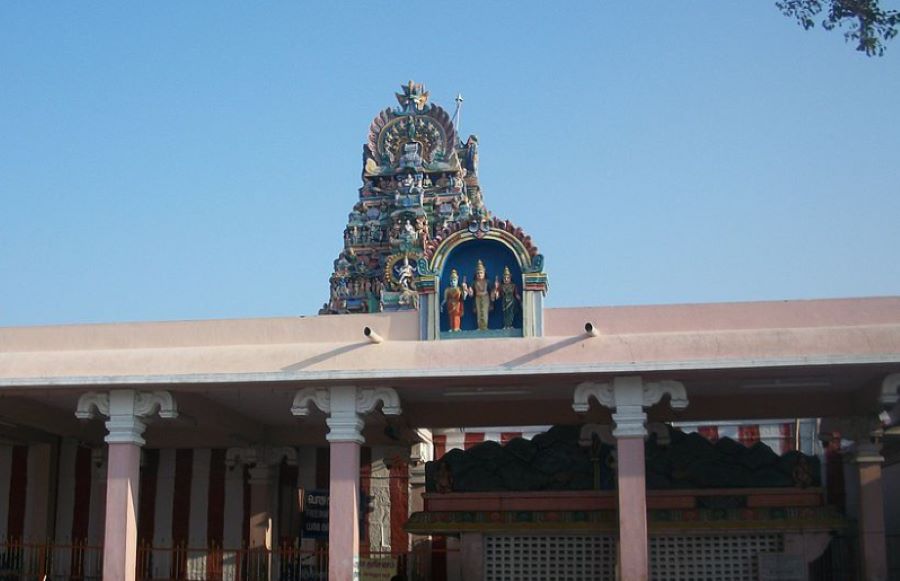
654, 392
260, 459
890, 390
602, 392
149, 403
321, 398
628, 396
367, 399
866, 432
90, 404
126, 409
602, 431
345, 404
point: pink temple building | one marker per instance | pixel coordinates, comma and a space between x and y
436, 421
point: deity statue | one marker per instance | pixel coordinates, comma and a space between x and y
409, 230
454, 295
412, 157
482, 293
471, 159
408, 237
508, 294
422, 230
405, 279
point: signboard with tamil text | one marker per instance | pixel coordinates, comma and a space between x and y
315, 514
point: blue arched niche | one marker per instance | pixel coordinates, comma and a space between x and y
495, 256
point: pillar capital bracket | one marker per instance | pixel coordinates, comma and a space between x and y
365, 400
890, 390
604, 433
254, 456
866, 433
126, 409
631, 390
345, 404
628, 396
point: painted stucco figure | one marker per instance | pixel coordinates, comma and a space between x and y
406, 274
508, 293
454, 295
482, 293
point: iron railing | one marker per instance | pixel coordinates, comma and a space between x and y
25, 561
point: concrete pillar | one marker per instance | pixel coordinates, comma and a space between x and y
345, 439
345, 405
628, 396
343, 511
260, 460
471, 548
260, 516
632, 493
124, 408
865, 494
872, 545
38, 502
120, 538
420, 453
99, 473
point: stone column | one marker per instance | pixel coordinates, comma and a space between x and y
344, 404
871, 517
39, 503
628, 396
471, 549
260, 515
865, 462
260, 460
124, 408
97, 520
421, 453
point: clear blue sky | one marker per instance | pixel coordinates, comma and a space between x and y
192, 160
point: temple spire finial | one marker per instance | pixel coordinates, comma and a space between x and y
413, 98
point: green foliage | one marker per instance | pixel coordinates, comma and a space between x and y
868, 25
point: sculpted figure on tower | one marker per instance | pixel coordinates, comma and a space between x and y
454, 295
508, 293
482, 292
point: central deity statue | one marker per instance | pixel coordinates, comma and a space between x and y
482, 292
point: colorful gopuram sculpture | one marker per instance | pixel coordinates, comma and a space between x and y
418, 179
420, 225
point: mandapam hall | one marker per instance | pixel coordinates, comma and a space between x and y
436, 421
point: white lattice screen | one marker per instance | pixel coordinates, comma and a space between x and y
729, 557
710, 557
549, 558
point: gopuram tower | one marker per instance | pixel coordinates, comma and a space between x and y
420, 236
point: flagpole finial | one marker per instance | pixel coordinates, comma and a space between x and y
456, 114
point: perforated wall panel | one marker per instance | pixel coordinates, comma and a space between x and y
593, 557
710, 557
549, 558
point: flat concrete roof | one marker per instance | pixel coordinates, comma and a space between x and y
332, 348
